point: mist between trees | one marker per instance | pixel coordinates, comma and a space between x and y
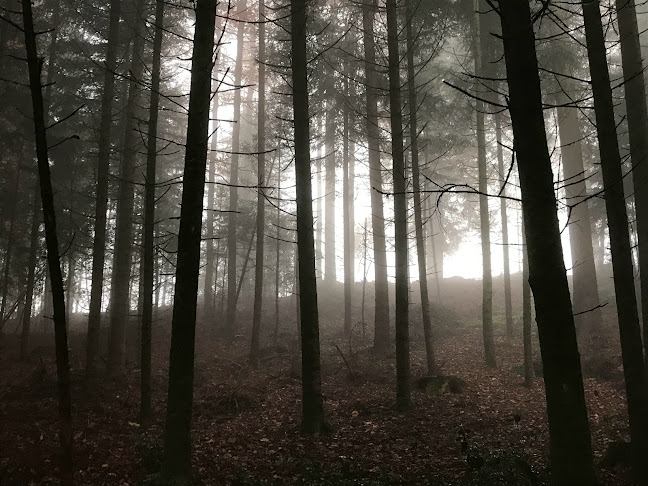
227, 224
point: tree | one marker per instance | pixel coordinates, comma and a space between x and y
403, 398
51, 242
177, 434
101, 195
570, 443
418, 209
381, 296
313, 420
260, 223
629, 328
330, 269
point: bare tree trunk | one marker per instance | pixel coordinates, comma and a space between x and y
119, 289
403, 392
508, 304
148, 263
277, 254
635, 91
101, 195
381, 300
330, 271
418, 207
260, 223
484, 219
347, 197
526, 316
230, 318
51, 240
313, 420
570, 442
629, 328
177, 436
9, 250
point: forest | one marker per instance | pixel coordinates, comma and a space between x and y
323, 242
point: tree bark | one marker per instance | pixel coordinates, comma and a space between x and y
51, 241
260, 223
330, 270
121, 275
381, 297
635, 91
313, 420
629, 328
484, 219
230, 317
347, 208
101, 194
526, 317
177, 436
418, 207
9, 250
570, 443
31, 273
403, 392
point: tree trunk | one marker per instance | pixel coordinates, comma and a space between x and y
277, 254
260, 223
313, 420
403, 397
347, 208
484, 219
508, 304
31, 272
8, 252
635, 91
418, 207
148, 263
101, 194
177, 436
381, 301
121, 276
230, 318
526, 317
51, 241
330, 271
629, 328
570, 443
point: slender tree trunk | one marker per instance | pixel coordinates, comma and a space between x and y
313, 420
629, 328
177, 436
381, 301
635, 91
346, 211
260, 223
121, 276
148, 263
570, 442
230, 318
51, 240
245, 265
277, 254
319, 216
418, 207
508, 304
330, 271
101, 194
403, 393
484, 219
31, 272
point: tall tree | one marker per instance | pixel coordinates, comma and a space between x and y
403, 392
32, 262
51, 242
484, 218
418, 207
635, 98
570, 442
260, 228
101, 194
381, 296
629, 328
330, 270
313, 420
121, 275
230, 317
177, 435
148, 262
347, 211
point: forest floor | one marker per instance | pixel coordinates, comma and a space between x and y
246, 424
